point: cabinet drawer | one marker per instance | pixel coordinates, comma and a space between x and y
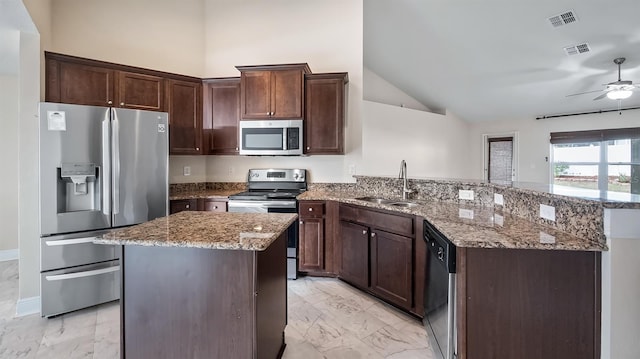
183, 205
386, 221
215, 206
311, 209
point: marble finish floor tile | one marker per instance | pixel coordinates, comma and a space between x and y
328, 319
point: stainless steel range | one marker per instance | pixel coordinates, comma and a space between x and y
274, 191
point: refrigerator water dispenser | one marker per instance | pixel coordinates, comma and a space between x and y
78, 187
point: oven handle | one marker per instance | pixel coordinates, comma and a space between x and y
254, 204
82, 274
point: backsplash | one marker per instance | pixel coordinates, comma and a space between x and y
176, 188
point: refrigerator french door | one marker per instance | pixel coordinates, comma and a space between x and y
100, 168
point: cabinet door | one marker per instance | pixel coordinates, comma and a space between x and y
391, 267
287, 93
222, 113
311, 244
79, 84
140, 92
255, 94
185, 117
180, 205
355, 254
324, 115
215, 206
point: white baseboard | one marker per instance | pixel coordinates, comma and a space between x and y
28, 306
9, 255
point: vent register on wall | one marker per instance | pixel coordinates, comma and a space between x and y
100, 168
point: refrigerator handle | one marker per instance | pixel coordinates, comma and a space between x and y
106, 168
116, 162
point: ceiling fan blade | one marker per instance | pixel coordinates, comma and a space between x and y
600, 97
582, 93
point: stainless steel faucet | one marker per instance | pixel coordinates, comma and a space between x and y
403, 176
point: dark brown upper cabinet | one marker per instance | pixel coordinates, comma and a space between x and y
272, 91
79, 84
325, 99
221, 115
140, 92
184, 105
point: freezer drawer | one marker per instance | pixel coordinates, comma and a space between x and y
75, 288
71, 250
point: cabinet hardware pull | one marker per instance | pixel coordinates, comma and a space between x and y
187, 206
364, 231
109, 102
308, 148
197, 148
373, 234
310, 209
300, 222
121, 103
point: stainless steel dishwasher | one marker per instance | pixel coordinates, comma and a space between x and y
440, 293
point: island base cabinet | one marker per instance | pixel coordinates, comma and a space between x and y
528, 304
203, 303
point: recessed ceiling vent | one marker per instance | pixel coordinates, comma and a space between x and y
577, 49
565, 18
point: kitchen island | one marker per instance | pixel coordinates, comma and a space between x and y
204, 285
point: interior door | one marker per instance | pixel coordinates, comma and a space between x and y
140, 166
74, 183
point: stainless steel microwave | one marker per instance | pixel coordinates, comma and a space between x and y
271, 137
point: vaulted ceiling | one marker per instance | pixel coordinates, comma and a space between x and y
503, 59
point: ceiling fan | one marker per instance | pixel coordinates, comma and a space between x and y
617, 90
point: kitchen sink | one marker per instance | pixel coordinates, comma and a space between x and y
377, 200
390, 202
404, 204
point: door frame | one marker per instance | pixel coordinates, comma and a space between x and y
515, 153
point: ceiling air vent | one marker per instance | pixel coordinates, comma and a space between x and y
577, 49
565, 18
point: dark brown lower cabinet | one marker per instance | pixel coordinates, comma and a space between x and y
391, 271
311, 251
355, 254
197, 204
528, 304
203, 303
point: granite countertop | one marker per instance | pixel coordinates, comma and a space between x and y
474, 226
221, 194
209, 230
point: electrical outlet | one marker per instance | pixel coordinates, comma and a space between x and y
547, 238
465, 213
186, 170
498, 220
465, 194
498, 199
548, 212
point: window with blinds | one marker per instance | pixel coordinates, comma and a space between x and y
606, 160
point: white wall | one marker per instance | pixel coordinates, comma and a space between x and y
377, 89
162, 35
534, 139
325, 34
9, 161
433, 145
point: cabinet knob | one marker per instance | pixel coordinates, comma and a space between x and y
109, 102
215, 207
373, 234
236, 148
364, 231
197, 148
187, 206
308, 148
310, 209
121, 103
300, 221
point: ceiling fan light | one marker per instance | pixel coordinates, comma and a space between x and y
619, 94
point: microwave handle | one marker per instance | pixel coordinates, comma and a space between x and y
285, 136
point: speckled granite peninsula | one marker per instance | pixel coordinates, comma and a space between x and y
209, 230
204, 285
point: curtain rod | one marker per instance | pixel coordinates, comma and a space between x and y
586, 113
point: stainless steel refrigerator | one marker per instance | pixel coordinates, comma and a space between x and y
100, 168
